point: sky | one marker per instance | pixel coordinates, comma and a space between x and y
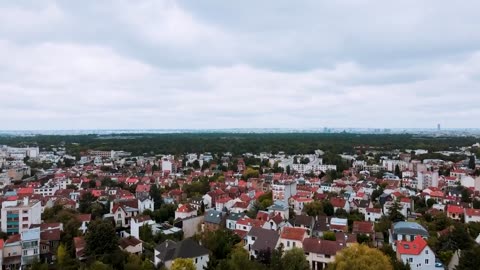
211, 64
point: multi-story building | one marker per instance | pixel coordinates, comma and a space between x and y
416, 253
18, 215
283, 191
30, 246
46, 190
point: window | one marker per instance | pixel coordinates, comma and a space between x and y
196, 260
25, 211
288, 243
293, 244
410, 259
426, 261
327, 256
24, 253
426, 251
35, 251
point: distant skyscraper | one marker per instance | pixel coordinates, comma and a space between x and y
438, 127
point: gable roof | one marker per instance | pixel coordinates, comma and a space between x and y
266, 239
170, 250
365, 227
320, 246
290, 233
412, 248
213, 216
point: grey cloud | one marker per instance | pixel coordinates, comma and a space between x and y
212, 64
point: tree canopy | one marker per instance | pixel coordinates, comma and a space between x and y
361, 257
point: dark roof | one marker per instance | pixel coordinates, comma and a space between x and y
212, 216
189, 249
129, 241
304, 220
50, 235
363, 203
320, 246
321, 224
266, 239
409, 228
170, 250
235, 216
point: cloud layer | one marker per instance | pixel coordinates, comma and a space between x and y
209, 64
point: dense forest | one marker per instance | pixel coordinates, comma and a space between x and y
290, 143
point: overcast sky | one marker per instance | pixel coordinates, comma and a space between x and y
239, 64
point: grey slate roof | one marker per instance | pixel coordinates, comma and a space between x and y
409, 228
170, 250
235, 216
213, 216
266, 239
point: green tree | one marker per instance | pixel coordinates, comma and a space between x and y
361, 257
394, 214
328, 235
145, 233
85, 203
294, 259
156, 195
61, 255
101, 238
469, 259
328, 208
397, 171
183, 264
471, 162
313, 209
97, 265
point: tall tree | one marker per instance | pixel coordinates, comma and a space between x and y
313, 209
361, 257
469, 259
471, 162
294, 259
397, 171
101, 238
394, 213
328, 208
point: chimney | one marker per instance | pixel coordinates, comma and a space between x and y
25, 201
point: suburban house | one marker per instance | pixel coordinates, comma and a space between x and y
406, 231
454, 211
169, 250
472, 215
292, 237
131, 245
321, 252
416, 253
213, 220
185, 211
260, 239
373, 214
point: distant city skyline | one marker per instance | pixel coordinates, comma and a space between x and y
167, 64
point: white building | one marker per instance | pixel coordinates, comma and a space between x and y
416, 253
30, 245
138, 222
18, 215
168, 251
472, 215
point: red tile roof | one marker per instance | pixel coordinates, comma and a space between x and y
454, 209
472, 212
412, 248
365, 227
338, 202
290, 233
